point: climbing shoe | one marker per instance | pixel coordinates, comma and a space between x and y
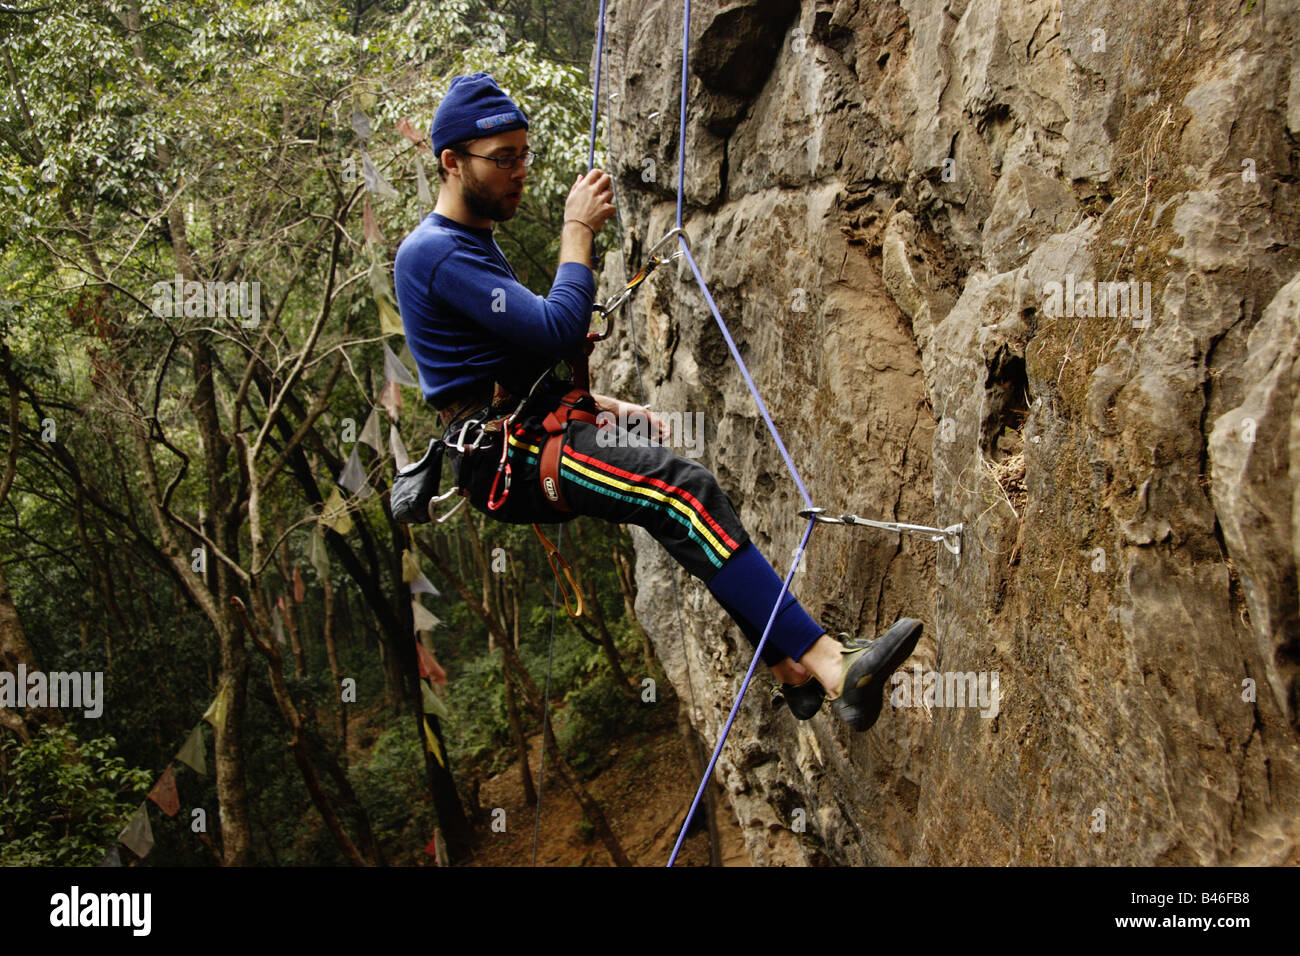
866, 668
803, 699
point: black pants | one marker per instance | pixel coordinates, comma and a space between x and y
618, 477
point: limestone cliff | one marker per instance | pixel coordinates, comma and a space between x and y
904, 210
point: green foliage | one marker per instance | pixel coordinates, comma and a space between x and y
479, 728
640, 759
596, 714
234, 117
392, 787
64, 802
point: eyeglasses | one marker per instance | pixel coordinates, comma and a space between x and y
527, 157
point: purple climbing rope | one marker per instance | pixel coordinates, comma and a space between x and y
762, 408
595, 94
744, 371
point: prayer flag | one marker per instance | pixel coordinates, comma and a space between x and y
379, 284
422, 585
353, 477
395, 371
375, 180
319, 554
410, 566
216, 712
390, 320
390, 398
164, 793
370, 228
422, 192
429, 667
432, 743
335, 516
433, 704
425, 620
407, 359
370, 432
405, 127
192, 753
399, 450
137, 835
361, 124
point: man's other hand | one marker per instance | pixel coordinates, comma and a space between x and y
616, 412
591, 200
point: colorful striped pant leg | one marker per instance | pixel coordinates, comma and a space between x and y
676, 500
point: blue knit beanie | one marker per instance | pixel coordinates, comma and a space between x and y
474, 107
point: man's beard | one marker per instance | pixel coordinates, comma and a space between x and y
481, 203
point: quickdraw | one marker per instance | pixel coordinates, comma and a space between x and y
950, 536
618, 299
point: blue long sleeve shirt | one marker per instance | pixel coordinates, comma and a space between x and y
468, 320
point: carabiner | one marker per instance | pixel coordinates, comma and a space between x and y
439, 499
459, 443
493, 502
503, 467
679, 231
562, 571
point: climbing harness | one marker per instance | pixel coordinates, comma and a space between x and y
950, 536
576, 406
483, 430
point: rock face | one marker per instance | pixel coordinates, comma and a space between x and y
904, 211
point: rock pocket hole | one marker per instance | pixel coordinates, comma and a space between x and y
1006, 406
1002, 439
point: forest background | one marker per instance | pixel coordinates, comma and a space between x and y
195, 505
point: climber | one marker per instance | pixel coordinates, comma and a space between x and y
483, 343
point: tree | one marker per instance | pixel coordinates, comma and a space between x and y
218, 146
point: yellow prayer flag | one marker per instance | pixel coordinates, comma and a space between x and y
390, 320
216, 712
431, 742
335, 516
410, 566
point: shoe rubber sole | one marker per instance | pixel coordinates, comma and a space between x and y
804, 700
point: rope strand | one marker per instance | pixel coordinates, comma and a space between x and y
762, 407
749, 382
559, 538
697, 741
